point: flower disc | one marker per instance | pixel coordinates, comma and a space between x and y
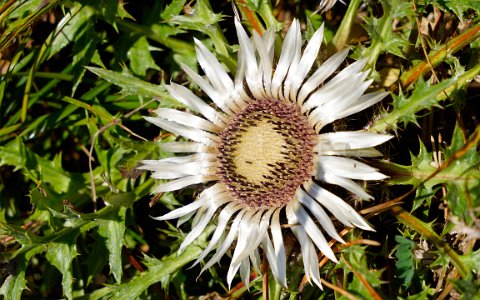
266, 153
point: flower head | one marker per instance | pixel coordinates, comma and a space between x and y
263, 154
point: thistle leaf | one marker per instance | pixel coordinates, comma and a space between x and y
112, 229
61, 254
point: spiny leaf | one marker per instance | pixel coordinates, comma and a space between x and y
206, 21
472, 260
424, 96
463, 193
61, 254
355, 262
158, 270
67, 28
436, 57
200, 20
426, 294
109, 9
173, 9
424, 161
383, 38
113, 230
131, 85
19, 234
14, 283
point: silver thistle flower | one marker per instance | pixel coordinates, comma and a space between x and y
263, 153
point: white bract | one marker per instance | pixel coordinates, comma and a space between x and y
326, 5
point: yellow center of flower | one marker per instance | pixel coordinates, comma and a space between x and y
266, 153
259, 147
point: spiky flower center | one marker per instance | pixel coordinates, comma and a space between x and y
266, 153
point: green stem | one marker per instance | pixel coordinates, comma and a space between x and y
6, 9
49, 75
438, 56
425, 230
408, 175
462, 81
93, 109
413, 175
219, 42
390, 120
218, 39
343, 33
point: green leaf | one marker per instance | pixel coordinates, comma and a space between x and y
426, 294
123, 13
469, 289
131, 85
61, 256
463, 190
27, 7
405, 263
460, 7
27, 12
200, 20
383, 37
274, 288
112, 229
18, 233
405, 109
38, 169
472, 260
122, 199
66, 30
48, 121
92, 262
84, 49
206, 21
108, 10
15, 282
140, 58
158, 270
173, 9
163, 33
358, 265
